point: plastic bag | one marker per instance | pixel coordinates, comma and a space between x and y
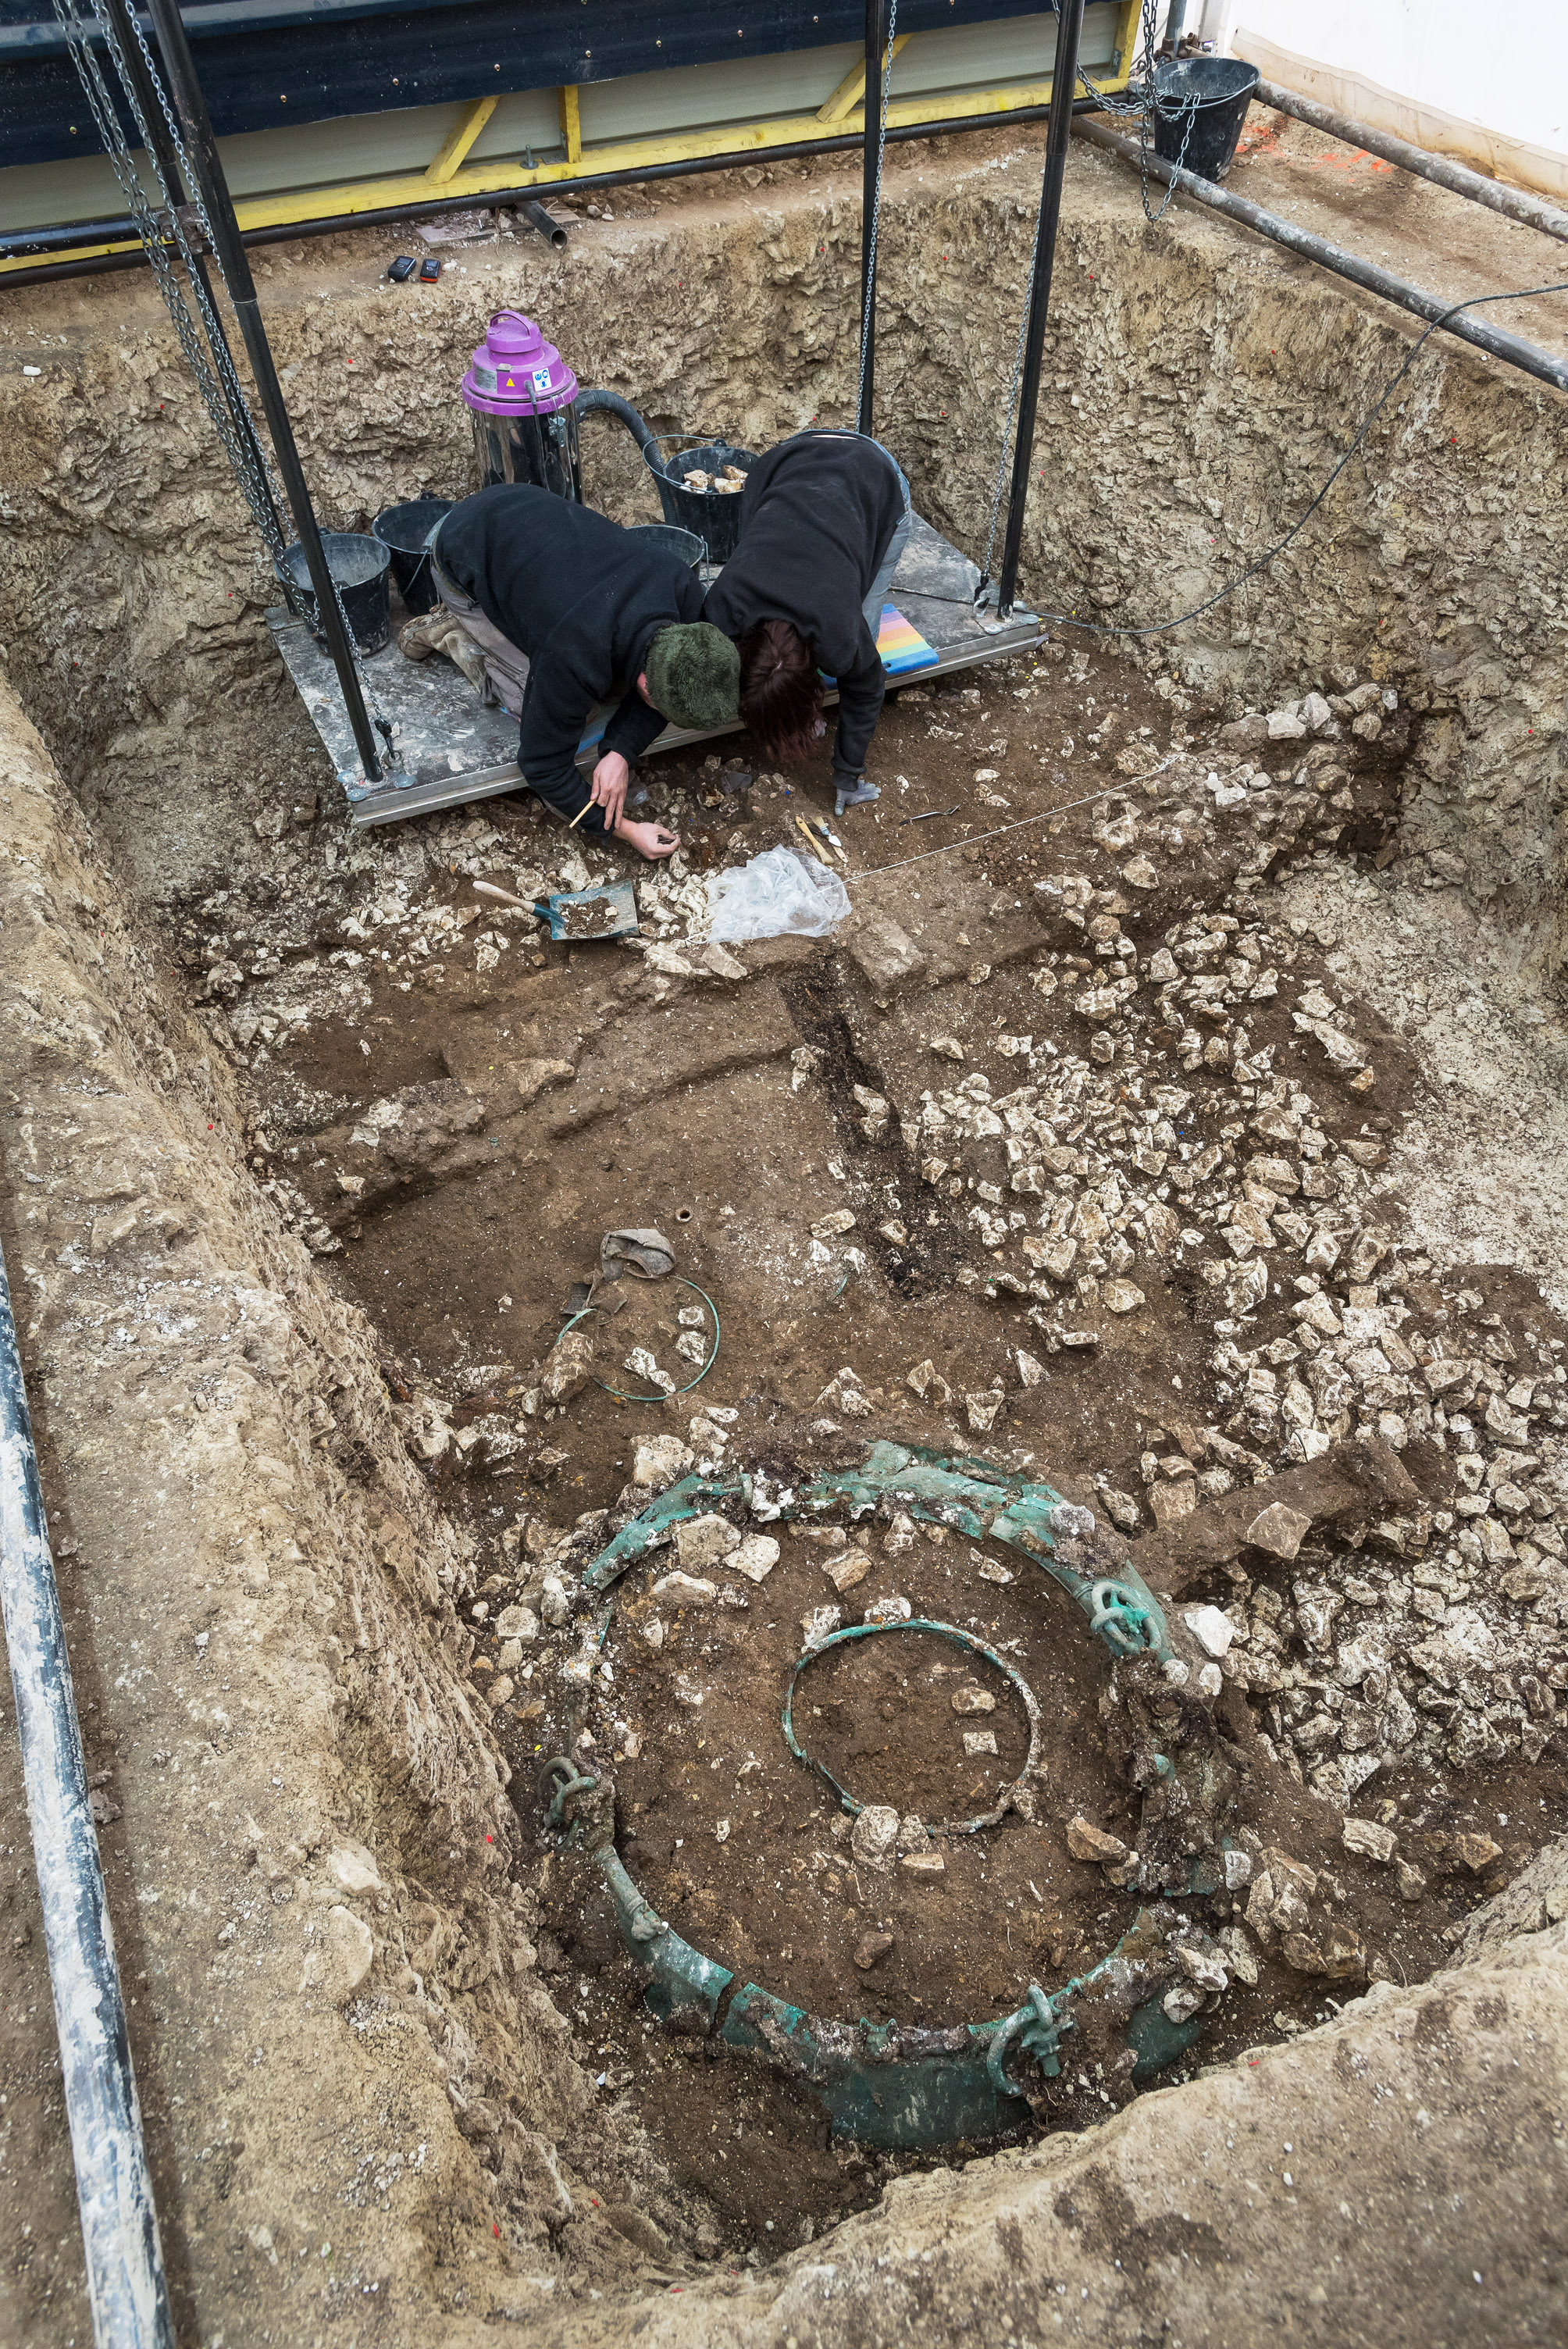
775, 893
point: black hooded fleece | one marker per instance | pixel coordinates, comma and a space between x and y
584, 599
816, 516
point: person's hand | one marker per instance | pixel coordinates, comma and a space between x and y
652, 840
611, 777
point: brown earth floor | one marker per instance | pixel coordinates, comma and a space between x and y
684, 1116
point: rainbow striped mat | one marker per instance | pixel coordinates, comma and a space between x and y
901, 644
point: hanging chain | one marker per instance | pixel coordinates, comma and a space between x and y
209, 362
241, 459
1148, 106
869, 231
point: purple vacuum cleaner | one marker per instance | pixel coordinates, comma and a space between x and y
527, 405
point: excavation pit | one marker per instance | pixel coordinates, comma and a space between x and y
330, 1139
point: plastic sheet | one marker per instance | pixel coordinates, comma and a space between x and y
774, 894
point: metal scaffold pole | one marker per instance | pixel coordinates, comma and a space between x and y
127, 2291
870, 191
180, 68
1064, 83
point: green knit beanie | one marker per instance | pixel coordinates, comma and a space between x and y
693, 676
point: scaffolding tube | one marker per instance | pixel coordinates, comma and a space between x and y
1069, 32
1493, 340
127, 2291
1514, 204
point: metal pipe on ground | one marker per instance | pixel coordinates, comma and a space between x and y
126, 2290
537, 217
1064, 75
1514, 204
1493, 340
229, 249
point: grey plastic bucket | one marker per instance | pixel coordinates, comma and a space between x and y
361, 566
1202, 104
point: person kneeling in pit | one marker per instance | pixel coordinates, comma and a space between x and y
567, 610
824, 519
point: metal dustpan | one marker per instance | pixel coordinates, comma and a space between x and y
609, 911
582, 916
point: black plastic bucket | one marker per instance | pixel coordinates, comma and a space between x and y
713, 514
405, 530
1201, 105
361, 567
671, 539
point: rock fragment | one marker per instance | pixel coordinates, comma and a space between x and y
831, 1228
844, 1392
517, 1623
927, 1382
755, 1556
972, 1699
874, 1839
685, 1590
1330, 1949
703, 1541
1279, 1529
820, 1624
887, 956
1367, 1840
844, 1568
1122, 1510
1211, 1628
1086, 1841
340, 1958
568, 1367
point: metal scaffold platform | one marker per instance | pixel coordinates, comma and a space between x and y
449, 747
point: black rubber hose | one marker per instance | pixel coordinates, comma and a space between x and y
126, 2286
595, 401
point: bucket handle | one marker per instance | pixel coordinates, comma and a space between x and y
697, 439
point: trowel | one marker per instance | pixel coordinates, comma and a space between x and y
579, 916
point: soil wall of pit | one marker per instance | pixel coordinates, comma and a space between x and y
1199, 386
311, 1854
361, 2104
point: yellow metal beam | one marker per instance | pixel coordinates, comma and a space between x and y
853, 88
455, 146
504, 178
1126, 43
571, 122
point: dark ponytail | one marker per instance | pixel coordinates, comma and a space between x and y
780, 690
